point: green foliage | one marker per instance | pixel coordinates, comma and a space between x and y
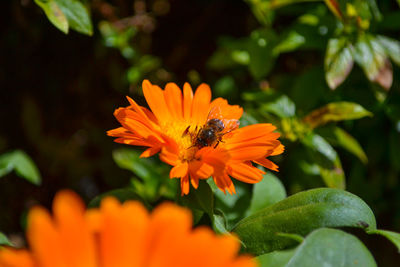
336, 111
267, 192
150, 183
22, 164
301, 214
323, 247
65, 14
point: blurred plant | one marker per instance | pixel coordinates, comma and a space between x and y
66, 14
22, 164
347, 36
320, 158
131, 36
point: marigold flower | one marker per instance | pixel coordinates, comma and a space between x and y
120, 235
173, 128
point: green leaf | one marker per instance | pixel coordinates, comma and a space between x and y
219, 222
260, 51
392, 236
123, 194
77, 15
391, 46
276, 258
232, 207
148, 170
336, 111
291, 42
22, 164
330, 247
282, 106
129, 159
4, 240
201, 199
338, 136
54, 13
267, 192
327, 160
338, 61
371, 56
300, 214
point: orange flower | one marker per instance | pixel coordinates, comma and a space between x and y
173, 127
120, 235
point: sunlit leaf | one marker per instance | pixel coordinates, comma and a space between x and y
300, 214
338, 61
338, 136
327, 160
291, 42
371, 56
22, 164
54, 13
331, 247
392, 236
391, 46
281, 106
336, 111
77, 15
267, 192
333, 5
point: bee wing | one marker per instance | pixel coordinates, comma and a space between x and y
230, 125
215, 113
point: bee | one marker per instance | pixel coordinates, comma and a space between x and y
214, 129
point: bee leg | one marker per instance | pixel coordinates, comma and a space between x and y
186, 131
216, 144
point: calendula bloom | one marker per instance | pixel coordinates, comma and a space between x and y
178, 127
120, 235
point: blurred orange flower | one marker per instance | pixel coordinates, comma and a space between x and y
197, 136
120, 235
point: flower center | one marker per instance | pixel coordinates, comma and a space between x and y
183, 133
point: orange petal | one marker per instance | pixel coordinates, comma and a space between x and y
122, 234
267, 164
169, 228
77, 242
150, 152
44, 240
251, 132
201, 104
278, 150
194, 181
173, 99
245, 173
15, 258
228, 112
185, 185
248, 153
187, 101
155, 98
179, 170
